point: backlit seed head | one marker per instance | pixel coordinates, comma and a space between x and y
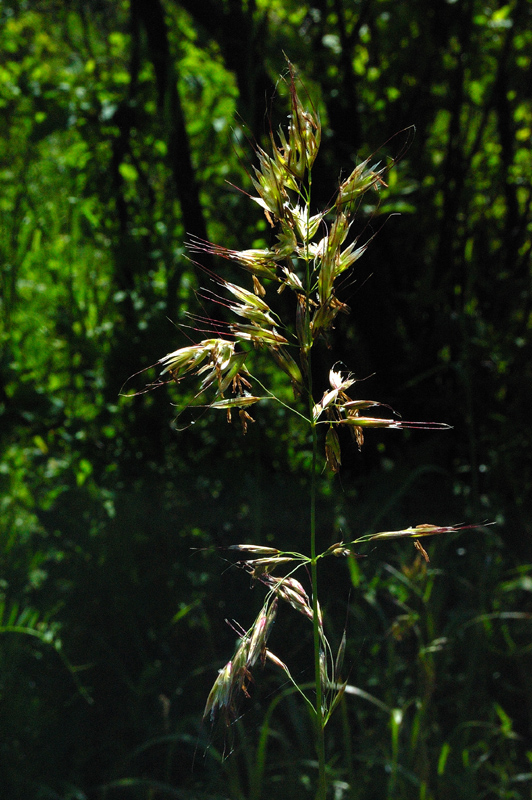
258, 567
260, 631
297, 152
259, 262
306, 225
338, 382
235, 402
258, 335
291, 591
258, 549
417, 531
336, 549
181, 361
277, 661
304, 132
269, 183
358, 182
220, 694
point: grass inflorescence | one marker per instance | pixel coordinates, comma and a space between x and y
309, 256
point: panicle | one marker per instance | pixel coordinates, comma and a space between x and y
311, 269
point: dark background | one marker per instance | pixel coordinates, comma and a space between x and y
121, 124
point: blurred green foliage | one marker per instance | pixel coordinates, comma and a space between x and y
124, 127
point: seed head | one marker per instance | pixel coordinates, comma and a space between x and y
306, 225
220, 696
418, 531
330, 253
258, 549
259, 262
296, 153
258, 567
291, 591
360, 180
259, 633
269, 181
258, 335
378, 422
304, 133
183, 360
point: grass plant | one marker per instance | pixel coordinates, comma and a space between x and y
310, 256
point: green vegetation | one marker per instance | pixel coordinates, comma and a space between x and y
124, 128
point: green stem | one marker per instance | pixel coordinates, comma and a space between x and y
318, 716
